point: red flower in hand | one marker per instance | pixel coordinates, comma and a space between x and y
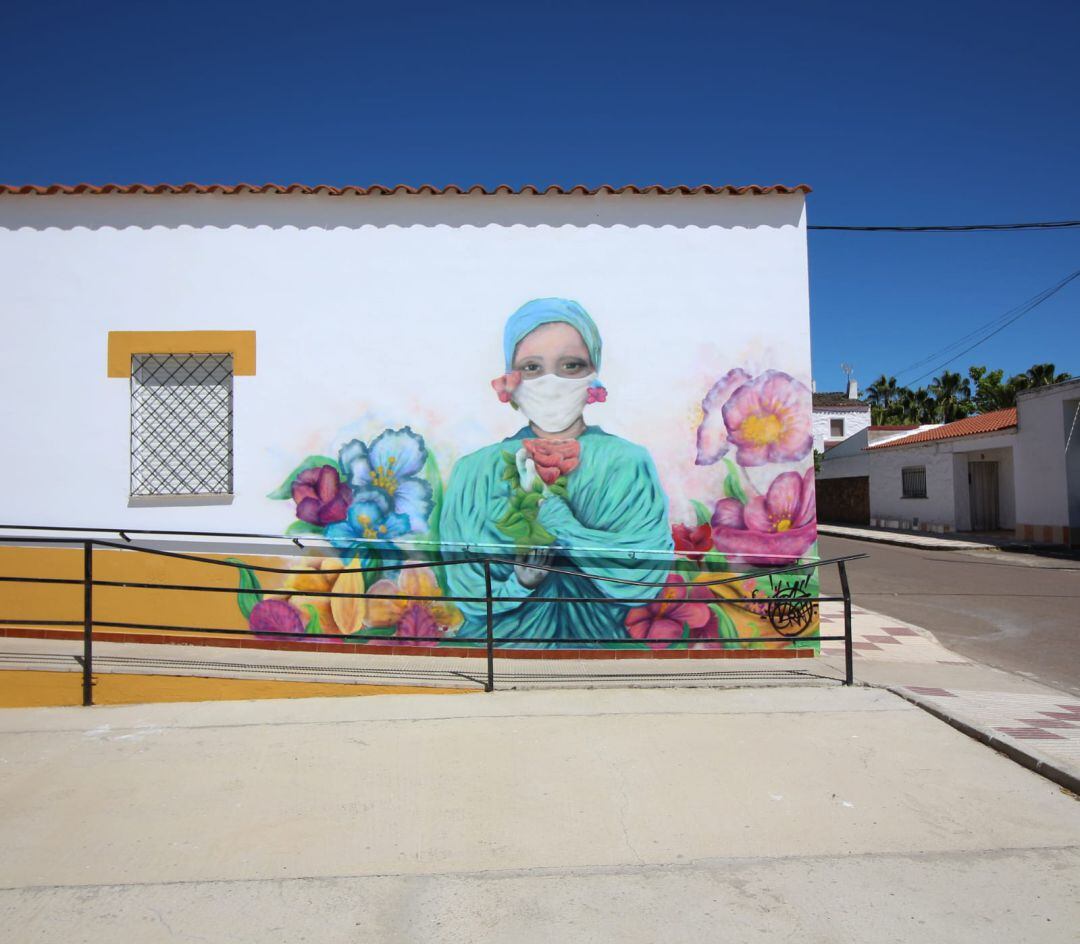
692, 541
506, 385
553, 457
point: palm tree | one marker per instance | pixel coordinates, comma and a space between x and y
882, 391
1042, 375
953, 395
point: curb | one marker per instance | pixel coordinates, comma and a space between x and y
1033, 760
901, 540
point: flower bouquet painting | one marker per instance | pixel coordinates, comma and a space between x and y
361, 502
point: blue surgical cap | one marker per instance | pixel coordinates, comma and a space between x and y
541, 311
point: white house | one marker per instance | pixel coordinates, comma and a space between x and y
838, 415
1016, 469
372, 371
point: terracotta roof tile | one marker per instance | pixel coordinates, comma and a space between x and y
379, 190
837, 400
971, 426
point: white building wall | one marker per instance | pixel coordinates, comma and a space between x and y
1048, 479
1003, 456
854, 422
352, 297
846, 459
947, 505
887, 504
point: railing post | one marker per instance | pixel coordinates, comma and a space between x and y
88, 624
489, 685
849, 669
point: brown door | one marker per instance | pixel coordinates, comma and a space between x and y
983, 482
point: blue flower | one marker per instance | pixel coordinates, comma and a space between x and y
371, 518
391, 466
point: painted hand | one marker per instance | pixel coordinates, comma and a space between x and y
532, 577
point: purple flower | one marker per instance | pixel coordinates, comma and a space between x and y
767, 418
274, 617
320, 496
777, 528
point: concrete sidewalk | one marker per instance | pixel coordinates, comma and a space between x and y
827, 814
907, 538
1034, 724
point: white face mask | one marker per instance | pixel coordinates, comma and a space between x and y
553, 403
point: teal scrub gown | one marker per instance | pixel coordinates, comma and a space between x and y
613, 523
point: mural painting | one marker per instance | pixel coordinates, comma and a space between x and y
561, 493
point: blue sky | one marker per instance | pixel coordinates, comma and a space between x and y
895, 113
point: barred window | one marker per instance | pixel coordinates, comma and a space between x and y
181, 424
913, 479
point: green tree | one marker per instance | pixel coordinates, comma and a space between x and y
882, 391
990, 393
953, 395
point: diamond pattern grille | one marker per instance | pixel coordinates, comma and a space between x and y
181, 424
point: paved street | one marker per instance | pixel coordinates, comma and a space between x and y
813, 814
1018, 612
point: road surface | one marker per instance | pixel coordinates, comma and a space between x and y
1018, 612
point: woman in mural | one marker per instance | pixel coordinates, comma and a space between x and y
565, 493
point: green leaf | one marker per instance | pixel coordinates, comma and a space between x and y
540, 536
378, 632
284, 490
702, 513
725, 624
304, 527
531, 501
250, 594
313, 624
732, 486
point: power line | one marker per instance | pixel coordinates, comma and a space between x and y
960, 341
969, 228
1023, 310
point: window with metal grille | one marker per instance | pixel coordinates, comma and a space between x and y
181, 424
913, 479
836, 427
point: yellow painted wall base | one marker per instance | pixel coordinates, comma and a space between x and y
19, 689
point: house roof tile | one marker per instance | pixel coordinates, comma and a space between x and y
970, 426
379, 190
837, 400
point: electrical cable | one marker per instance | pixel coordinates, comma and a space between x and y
967, 228
1024, 309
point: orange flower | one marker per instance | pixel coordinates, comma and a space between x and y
425, 617
342, 615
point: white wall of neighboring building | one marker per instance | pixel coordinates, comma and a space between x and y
1048, 478
947, 503
854, 421
370, 313
888, 507
846, 459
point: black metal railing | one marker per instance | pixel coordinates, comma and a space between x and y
784, 609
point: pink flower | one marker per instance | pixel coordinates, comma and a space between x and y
766, 418
597, 394
320, 497
662, 622
775, 529
273, 617
506, 385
